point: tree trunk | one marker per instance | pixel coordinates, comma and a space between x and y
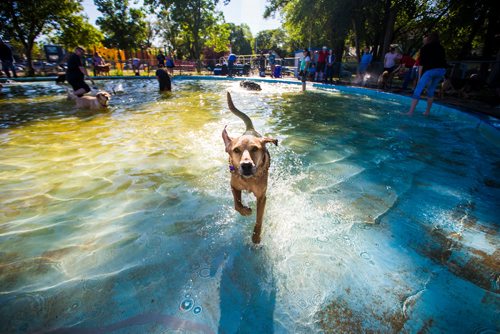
339, 46
356, 39
29, 58
196, 36
390, 20
489, 41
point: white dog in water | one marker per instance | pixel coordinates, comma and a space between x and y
99, 101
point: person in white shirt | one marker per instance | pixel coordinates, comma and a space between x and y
391, 60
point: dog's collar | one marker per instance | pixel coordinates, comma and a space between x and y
231, 166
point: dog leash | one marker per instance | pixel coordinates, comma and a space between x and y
93, 84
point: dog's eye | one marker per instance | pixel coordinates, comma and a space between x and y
237, 150
254, 149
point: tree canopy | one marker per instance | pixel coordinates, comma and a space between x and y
466, 28
194, 23
240, 38
25, 21
123, 27
77, 32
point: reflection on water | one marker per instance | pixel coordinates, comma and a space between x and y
122, 220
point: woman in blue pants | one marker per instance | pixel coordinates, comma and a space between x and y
432, 70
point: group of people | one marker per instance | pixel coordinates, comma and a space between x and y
317, 67
429, 68
260, 61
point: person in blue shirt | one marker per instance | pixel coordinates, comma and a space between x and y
364, 62
272, 62
312, 71
230, 64
304, 67
170, 63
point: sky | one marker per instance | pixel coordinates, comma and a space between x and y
249, 12
237, 12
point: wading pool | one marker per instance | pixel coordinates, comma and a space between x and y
122, 220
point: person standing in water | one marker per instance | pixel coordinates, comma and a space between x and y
304, 67
76, 73
431, 72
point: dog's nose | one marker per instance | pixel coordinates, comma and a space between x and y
246, 168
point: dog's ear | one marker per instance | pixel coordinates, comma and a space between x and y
266, 140
227, 140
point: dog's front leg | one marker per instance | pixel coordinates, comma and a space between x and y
238, 206
261, 205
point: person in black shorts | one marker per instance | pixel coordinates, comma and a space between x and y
76, 73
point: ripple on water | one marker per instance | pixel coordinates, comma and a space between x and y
322, 238
186, 304
485, 331
365, 255
205, 273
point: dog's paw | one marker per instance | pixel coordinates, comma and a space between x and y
244, 210
256, 238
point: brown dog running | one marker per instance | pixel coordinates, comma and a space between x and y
249, 163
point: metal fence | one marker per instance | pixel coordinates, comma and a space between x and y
345, 71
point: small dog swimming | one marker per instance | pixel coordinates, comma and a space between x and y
99, 101
249, 162
250, 85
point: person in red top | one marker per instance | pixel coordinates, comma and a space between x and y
412, 69
407, 61
320, 66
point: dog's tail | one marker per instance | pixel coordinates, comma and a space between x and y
248, 122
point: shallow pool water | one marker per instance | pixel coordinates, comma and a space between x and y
122, 221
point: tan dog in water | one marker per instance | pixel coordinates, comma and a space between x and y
99, 101
249, 163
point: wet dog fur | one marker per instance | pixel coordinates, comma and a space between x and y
250, 85
249, 162
99, 101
